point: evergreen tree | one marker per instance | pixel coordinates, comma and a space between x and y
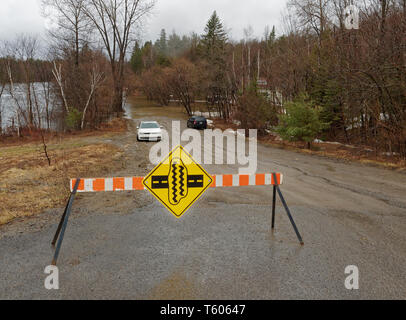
163, 43
214, 39
302, 121
271, 37
136, 59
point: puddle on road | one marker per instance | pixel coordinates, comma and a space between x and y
176, 286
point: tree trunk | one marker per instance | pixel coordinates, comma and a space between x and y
118, 99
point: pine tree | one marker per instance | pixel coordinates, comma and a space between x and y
272, 37
136, 59
163, 43
214, 39
302, 121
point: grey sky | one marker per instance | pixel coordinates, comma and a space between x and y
184, 16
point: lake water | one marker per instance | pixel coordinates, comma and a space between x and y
10, 105
135, 107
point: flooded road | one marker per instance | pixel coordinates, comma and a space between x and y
138, 108
128, 246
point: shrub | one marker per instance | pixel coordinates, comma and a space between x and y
73, 119
301, 122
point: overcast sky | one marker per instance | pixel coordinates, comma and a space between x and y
184, 16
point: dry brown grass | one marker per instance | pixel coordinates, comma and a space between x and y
114, 126
28, 185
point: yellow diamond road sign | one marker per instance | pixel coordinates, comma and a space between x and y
178, 181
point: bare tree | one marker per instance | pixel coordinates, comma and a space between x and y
57, 72
115, 21
248, 38
183, 81
24, 50
21, 53
18, 110
69, 25
313, 13
2, 86
3, 82
96, 78
47, 98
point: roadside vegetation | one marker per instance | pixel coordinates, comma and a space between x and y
354, 78
302, 121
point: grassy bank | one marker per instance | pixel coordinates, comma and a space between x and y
29, 185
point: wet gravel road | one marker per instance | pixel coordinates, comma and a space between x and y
127, 246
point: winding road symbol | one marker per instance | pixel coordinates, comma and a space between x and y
178, 181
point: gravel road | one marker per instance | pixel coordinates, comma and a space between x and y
127, 246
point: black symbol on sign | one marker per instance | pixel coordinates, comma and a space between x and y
178, 182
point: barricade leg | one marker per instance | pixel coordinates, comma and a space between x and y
273, 207
58, 231
63, 223
287, 210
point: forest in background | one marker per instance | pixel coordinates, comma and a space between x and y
316, 80
313, 79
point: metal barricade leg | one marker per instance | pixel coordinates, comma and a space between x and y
64, 222
273, 207
58, 231
287, 209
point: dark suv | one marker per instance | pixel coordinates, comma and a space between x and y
197, 123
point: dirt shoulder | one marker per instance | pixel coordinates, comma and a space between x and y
29, 185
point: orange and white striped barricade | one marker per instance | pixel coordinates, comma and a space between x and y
92, 185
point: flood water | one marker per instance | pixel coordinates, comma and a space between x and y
138, 108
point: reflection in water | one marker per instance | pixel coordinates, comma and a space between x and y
43, 102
